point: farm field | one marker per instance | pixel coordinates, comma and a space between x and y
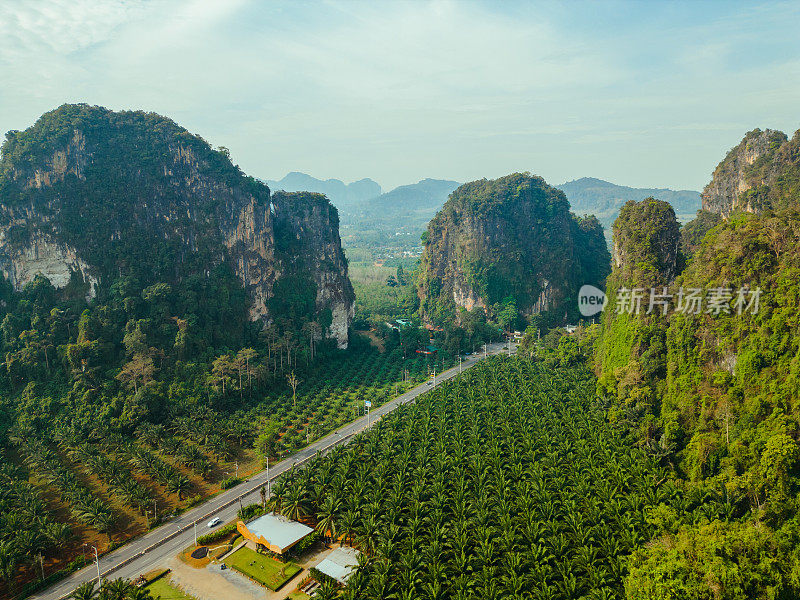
106, 489
505, 480
263, 569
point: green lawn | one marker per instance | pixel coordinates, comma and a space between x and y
298, 596
161, 588
265, 570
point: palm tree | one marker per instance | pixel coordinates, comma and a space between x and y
85, 591
179, 484
96, 514
8, 562
294, 504
57, 533
328, 591
116, 589
328, 515
139, 594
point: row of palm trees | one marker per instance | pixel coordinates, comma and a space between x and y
504, 483
187, 452
45, 463
28, 531
153, 466
111, 589
116, 475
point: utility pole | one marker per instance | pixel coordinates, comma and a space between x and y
97, 562
237, 468
484, 351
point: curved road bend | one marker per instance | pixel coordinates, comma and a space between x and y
157, 546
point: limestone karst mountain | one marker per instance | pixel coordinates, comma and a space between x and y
509, 241
88, 195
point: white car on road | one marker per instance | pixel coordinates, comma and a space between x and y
214, 522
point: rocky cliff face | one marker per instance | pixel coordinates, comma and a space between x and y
92, 194
509, 239
646, 245
312, 223
742, 181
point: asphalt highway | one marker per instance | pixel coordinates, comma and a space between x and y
156, 547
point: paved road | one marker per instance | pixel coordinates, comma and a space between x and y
156, 547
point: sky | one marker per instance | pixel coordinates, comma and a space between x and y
646, 94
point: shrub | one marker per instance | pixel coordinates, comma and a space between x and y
217, 535
251, 510
194, 500
230, 482
306, 543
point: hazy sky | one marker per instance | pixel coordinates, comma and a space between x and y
640, 93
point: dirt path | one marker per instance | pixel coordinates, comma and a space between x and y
213, 584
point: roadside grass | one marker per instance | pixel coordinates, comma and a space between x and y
161, 588
262, 569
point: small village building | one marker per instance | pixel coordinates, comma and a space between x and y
275, 532
399, 324
340, 564
428, 350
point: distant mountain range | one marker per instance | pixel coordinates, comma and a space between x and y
339, 193
422, 200
409, 208
603, 199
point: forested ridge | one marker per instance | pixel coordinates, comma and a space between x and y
713, 393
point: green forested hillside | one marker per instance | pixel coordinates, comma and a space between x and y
713, 392
154, 303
